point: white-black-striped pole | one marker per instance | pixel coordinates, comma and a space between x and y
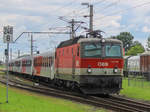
7, 73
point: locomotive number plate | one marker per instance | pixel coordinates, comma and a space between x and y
103, 64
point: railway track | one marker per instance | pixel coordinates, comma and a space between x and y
115, 103
112, 103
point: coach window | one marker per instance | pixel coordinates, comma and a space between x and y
72, 51
37, 64
41, 62
47, 61
27, 62
44, 62
55, 54
30, 63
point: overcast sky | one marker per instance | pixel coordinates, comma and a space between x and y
111, 16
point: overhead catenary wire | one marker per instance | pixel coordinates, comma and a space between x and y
99, 2
110, 5
58, 9
124, 10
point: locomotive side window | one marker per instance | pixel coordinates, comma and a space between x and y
78, 51
63, 52
59, 53
72, 51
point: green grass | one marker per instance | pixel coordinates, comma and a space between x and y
2, 66
2, 73
23, 101
137, 89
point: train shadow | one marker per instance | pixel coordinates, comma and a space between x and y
103, 95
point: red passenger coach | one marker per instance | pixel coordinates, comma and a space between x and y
93, 64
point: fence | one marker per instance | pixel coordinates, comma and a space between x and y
138, 81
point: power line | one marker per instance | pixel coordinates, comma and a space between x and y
60, 8
70, 3
110, 5
137, 6
99, 2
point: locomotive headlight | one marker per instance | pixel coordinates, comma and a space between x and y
89, 70
115, 70
103, 40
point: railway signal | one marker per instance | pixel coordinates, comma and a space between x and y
7, 38
8, 34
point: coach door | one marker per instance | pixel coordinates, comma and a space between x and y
57, 66
73, 65
52, 67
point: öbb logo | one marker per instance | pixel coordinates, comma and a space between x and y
102, 64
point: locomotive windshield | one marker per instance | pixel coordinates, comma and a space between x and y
96, 50
91, 50
113, 50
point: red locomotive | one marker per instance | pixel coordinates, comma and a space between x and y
93, 65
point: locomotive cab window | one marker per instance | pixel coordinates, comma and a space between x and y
92, 49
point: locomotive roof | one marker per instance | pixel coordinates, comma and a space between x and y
80, 40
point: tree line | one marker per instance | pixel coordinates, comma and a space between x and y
131, 47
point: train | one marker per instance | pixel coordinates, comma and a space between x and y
137, 65
93, 65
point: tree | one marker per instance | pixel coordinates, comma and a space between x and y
136, 49
1, 62
148, 44
136, 43
126, 38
